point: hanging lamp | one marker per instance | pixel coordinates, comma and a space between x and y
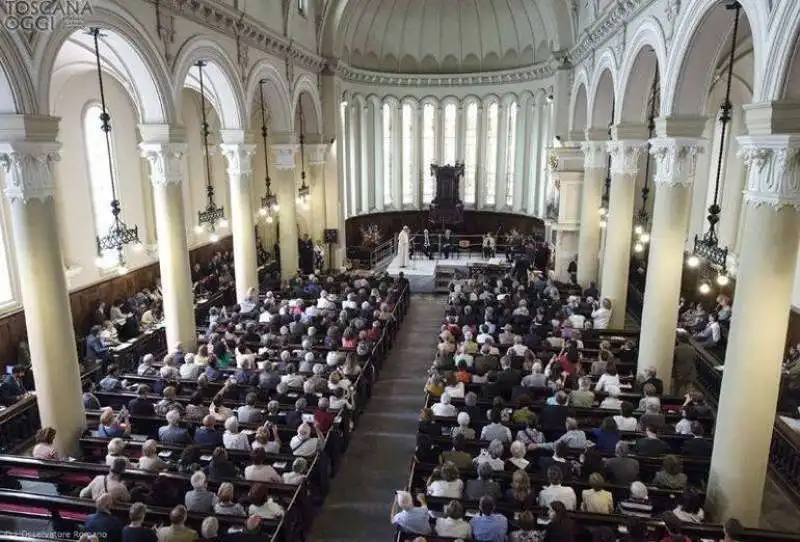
213, 216
119, 234
269, 203
304, 191
707, 248
642, 220
604, 201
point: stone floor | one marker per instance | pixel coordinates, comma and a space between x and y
376, 463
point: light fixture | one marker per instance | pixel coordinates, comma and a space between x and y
304, 191
119, 234
707, 247
269, 203
704, 288
603, 222
604, 200
642, 218
638, 247
693, 261
213, 216
214, 237
723, 280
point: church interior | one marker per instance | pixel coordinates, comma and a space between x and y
400, 270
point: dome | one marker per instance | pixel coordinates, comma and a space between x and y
443, 36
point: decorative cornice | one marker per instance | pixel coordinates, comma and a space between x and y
166, 162
28, 168
593, 38
233, 22
239, 157
676, 160
625, 155
773, 164
594, 154
541, 70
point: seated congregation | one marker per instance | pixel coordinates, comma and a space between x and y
237, 440
536, 427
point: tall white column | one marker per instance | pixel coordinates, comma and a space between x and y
27, 161
379, 159
356, 139
751, 378
520, 161
461, 143
397, 163
502, 167
569, 174
366, 141
676, 163
625, 156
165, 151
480, 164
592, 194
239, 157
286, 192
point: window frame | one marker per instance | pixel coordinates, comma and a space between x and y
492, 141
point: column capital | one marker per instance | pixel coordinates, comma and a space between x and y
626, 131
676, 160
28, 168
773, 170
594, 154
239, 157
317, 152
625, 155
568, 158
165, 160
283, 155
772, 117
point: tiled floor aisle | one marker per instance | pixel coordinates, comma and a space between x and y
376, 463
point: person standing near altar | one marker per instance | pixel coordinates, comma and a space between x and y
426, 244
402, 246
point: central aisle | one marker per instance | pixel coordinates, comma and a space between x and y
376, 463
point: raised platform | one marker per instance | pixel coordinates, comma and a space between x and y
422, 273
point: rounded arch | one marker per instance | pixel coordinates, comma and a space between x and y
224, 90
603, 92
646, 54
304, 85
17, 93
146, 75
276, 95
782, 79
391, 101
704, 31
579, 101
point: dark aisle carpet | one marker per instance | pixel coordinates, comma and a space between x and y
376, 463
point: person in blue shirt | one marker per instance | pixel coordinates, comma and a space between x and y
410, 519
606, 436
111, 381
208, 436
12, 389
488, 526
102, 524
95, 349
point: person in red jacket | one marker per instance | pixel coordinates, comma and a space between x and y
323, 418
674, 527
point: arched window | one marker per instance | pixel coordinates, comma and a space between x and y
428, 148
345, 164
491, 155
408, 155
450, 134
388, 162
97, 160
471, 152
511, 152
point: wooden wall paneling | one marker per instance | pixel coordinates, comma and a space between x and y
793, 333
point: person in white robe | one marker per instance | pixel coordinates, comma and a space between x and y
402, 246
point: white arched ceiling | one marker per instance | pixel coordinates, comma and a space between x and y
306, 90
128, 54
646, 53
432, 36
782, 79
16, 88
219, 77
276, 96
603, 92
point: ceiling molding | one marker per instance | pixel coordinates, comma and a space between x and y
232, 22
607, 25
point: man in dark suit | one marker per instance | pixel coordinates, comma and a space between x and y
622, 469
95, 349
555, 416
507, 378
295, 418
12, 389
208, 436
651, 378
140, 406
697, 446
558, 460
102, 523
651, 444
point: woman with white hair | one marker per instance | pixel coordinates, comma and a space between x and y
209, 529
463, 427
638, 503
189, 370
307, 365
517, 459
199, 498
612, 402
232, 438
303, 444
492, 455
443, 408
297, 474
172, 433
150, 462
410, 519
146, 366
116, 450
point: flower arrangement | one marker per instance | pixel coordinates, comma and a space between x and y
370, 236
